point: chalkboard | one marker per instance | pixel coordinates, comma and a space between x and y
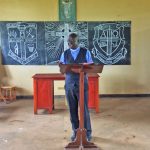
42, 43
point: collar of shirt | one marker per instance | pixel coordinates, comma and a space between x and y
74, 50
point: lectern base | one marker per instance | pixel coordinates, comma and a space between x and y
81, 148
81, 142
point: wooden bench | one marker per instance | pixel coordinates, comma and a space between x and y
8, 92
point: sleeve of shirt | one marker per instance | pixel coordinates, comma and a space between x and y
89, 57
62, 60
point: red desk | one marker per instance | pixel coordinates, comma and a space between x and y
44, 91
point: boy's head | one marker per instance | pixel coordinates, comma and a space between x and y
73, 41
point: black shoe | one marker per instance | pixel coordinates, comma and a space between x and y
73, 137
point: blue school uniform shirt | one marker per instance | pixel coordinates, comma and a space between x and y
74, 53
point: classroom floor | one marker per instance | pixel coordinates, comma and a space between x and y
122, 124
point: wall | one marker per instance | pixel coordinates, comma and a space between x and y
133, 79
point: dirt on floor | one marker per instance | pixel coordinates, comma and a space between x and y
122, 124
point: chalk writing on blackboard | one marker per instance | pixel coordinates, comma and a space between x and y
22, 40
42, 43
56, 36
109, 42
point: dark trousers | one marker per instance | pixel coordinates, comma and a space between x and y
72, 95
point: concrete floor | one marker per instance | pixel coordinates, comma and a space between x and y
122, 124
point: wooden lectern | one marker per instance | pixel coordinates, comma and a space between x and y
81, 142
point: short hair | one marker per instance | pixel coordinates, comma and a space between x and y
73, 35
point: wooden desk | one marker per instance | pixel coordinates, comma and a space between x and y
43, 85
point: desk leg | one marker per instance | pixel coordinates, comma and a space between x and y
51, 96
35, 95
97, 96
35, 112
